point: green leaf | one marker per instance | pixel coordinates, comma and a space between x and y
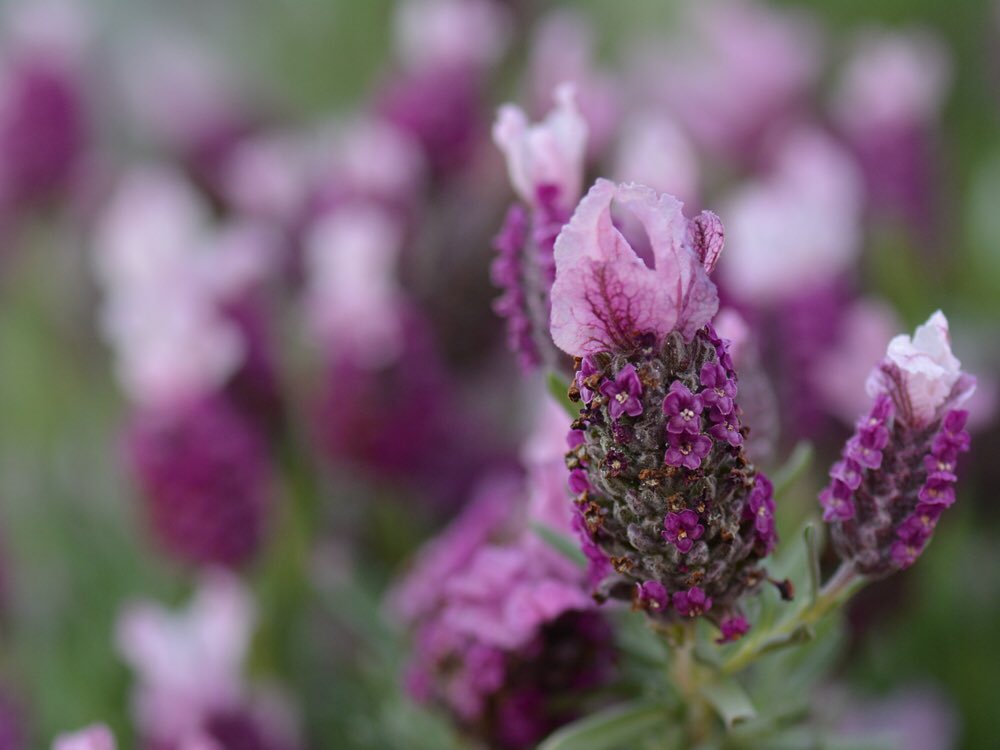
729, 700
561, 543
811, 535
558, 389
793, 468
611, 729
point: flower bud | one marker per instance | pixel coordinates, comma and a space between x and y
896, 473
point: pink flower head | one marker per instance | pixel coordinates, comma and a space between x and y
604, 295
166, 273
734, 67
97, 737
894, 80
562, 51
653, 150
451, 33
544, 458
840, 373
353, 298
188, 664
547, 155
797, 228
922, 374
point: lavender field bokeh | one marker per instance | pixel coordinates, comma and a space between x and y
282, 445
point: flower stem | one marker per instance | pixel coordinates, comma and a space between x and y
843, 584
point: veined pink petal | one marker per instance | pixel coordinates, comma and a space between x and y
604, 295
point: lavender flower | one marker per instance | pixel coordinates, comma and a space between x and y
507, 639
670, 511
897, 472
204, 471
545, 163
191, 693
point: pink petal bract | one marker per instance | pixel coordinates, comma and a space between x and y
604, 295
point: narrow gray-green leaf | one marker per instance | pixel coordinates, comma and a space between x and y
729, 700
559, 390
793, 468
611, 729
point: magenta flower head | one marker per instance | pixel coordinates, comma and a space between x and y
665, 494
506, 639
896, 473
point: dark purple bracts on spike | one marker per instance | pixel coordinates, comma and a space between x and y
673, 517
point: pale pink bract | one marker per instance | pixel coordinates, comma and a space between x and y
604, 295
922, 372
96, 737
548, 154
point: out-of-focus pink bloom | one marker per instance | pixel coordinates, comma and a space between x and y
369, 159
189, 665
653, 150
504, 629
191, 693
562, 51
97, 737
353, 298
913, 718
887, 103
892, 80
13, 729
167, 276
796, 229
605, 296
183, 98
545, 156
733, 68
451, 33
267, 177
544, 457
733, 327
485, 515
43, 122
840, 372
922, 374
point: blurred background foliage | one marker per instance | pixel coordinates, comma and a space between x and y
69, 543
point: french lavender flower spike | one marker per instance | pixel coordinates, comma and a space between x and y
897, 472
672, 515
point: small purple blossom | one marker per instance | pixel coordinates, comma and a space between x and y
623, 393
683, 409
718, 389
837, 502
682, 530
584, 375
727, 429
652, 595
938, 490
732, 628
686, 449
692, 603
760, 509
578, 481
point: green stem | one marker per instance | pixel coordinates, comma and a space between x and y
688, 676
841, 586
